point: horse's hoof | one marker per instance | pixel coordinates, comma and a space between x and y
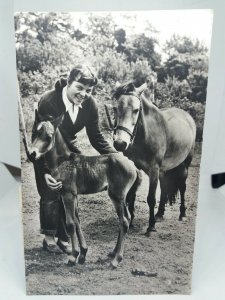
149, 230
147, 233
71, 261
181, 217
159, 218
81, 259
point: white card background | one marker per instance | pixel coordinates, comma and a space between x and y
209, 262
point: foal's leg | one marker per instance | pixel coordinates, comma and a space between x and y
115, 250
153, 178
69, 204
130, 200
80, 235
124, 219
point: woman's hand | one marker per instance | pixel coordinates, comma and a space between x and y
52, 184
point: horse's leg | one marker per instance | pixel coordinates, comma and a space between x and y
80, 235
124, 220
182, 189
153, 178
183, 174
161, 209
69, 204
163, 198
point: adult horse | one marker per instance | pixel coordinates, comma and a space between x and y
159, 141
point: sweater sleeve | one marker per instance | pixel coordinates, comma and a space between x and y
94, 133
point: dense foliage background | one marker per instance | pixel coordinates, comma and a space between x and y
48, 45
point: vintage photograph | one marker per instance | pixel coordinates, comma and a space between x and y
111, 112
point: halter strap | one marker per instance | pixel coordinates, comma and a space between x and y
125, 129
132, 134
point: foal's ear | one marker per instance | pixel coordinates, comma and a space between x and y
56, 122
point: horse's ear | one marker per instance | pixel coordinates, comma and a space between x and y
56, 122
141, 89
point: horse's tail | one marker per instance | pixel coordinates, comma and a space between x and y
172, 196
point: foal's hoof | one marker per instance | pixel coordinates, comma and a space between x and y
81, 259
82, 256
115, 262
111, 254
131, 226
71, 261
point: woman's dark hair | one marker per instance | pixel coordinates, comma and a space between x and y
82, 74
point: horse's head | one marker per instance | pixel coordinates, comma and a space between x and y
128, 106
43, 135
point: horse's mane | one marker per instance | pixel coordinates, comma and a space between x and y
124, 89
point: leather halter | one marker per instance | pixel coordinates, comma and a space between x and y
131, 134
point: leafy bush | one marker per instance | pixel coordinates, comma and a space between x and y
48, 45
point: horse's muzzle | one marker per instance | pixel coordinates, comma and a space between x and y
120, 145
34, 155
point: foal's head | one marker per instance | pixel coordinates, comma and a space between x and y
43, 135
128, 106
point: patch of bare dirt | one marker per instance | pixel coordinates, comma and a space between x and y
166, 254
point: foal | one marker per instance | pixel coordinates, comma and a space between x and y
86, 175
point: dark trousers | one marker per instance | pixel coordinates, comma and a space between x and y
52, 212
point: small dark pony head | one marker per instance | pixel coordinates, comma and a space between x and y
43, 135
128, 107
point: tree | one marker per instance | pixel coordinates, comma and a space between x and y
101, 30
183, 44
45, 39
143, 47
187, 60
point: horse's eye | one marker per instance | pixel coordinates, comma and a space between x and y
135, 111
48, 138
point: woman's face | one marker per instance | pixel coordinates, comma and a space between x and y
77, 92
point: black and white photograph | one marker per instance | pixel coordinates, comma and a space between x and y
112, 108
